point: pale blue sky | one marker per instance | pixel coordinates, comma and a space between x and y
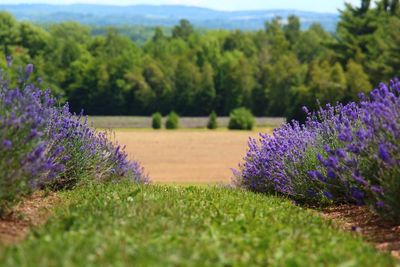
309, 5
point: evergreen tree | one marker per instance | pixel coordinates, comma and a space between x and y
212, 121
183, 30
357, 81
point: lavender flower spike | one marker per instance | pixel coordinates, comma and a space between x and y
28, 70
384, 154
9, 61
7, 144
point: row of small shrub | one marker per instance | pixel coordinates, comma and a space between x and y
171, 123
43, 145
342, 154
240, 119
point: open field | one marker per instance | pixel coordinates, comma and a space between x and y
128, 225
186, 156
107, 122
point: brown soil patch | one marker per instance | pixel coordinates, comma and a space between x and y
32, 211
361, 220
186, 157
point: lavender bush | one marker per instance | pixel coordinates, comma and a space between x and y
44, 145
342, 154
367, 160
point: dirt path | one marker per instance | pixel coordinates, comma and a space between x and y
32, 211
186, 157
362, 221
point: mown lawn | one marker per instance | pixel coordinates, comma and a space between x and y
128, 225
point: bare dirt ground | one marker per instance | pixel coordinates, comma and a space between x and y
32, 211
186, 157
361, 220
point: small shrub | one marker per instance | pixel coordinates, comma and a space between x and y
241, 119
212, 121
156, 121
172, 121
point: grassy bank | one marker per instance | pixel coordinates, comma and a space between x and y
128, 225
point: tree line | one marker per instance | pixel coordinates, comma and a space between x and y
273, 72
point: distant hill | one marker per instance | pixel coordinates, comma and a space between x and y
168, 15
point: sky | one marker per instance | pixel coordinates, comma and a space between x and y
307, 5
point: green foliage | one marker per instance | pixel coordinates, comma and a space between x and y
212, 121
368, 35
156, 121
126, 225
139, 34
241, 119
8, 32
183, 30
272, 72
172, 121
357, 80
292, 29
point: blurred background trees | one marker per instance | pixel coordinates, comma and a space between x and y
194, 72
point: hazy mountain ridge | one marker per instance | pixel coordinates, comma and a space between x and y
163, 15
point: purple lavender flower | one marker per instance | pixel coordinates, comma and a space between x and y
9, 61
341, 153
7, 144
34, 133
54, 143
328, 195
331, 174
358, 195
359, 179
380, 204
338, 154
384, 154
28, 71
58, 151
376, 189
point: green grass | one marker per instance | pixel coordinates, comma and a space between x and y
128, 225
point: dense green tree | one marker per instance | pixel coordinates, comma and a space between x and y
8, 31
368, 35
310, 44
273, 72
292, 29
34, 38
206, 95
357, 81
183, 30
187, 85
277, 43
327, 82
158, 35
241, 41
235, 81
160, 84
282, 76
